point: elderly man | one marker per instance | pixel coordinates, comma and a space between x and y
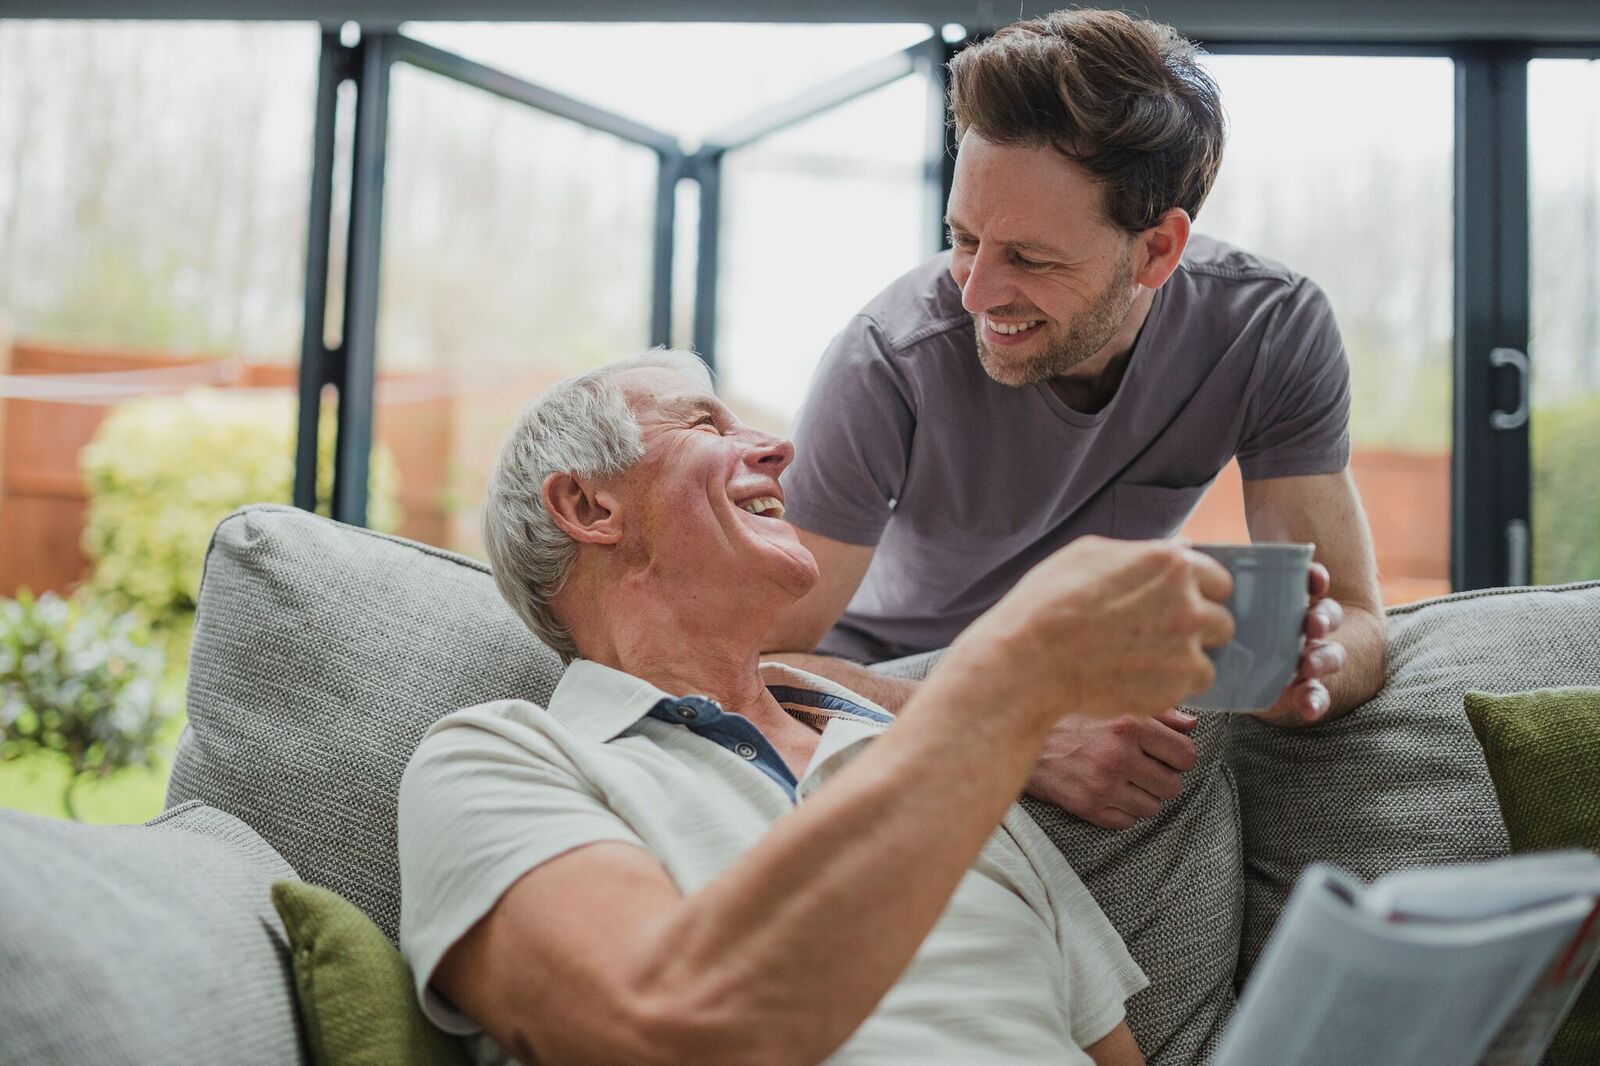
1078, 363
689, 857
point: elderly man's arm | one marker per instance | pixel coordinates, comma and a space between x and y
1342, 666
595, 956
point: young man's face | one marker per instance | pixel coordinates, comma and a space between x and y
705, 504
1047, 279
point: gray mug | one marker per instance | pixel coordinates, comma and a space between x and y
1271, 592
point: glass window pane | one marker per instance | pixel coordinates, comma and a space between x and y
816, 220
153, 185
516, 251
1340, 168
1564, 187
518, 247
688, 79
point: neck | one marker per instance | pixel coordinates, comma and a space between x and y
1090, 385
691, 644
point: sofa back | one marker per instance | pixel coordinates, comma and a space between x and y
1401, 781
322, 653
142, 943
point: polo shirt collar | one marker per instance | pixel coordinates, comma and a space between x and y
598, 703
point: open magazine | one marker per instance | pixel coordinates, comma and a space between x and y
1442, 966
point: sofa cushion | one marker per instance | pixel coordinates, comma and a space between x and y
357, 998
1173, 888
322, 652
141, 944
1401, 781
1543, 750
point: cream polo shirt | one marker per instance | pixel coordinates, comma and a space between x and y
1021, 968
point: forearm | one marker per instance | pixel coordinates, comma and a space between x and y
890, 693
1364, 635
806, 918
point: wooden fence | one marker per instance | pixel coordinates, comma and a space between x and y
42, 499
441, 446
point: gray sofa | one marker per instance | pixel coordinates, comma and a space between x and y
323, 652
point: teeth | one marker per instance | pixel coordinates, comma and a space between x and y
1011, 330
763, 505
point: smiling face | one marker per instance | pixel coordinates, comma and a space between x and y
1047, 279
706, 506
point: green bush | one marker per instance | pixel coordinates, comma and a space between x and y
1566, 491
79, 681
163, 471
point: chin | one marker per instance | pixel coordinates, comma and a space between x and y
1012, 371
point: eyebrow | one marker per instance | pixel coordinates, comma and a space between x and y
1021, 246
690, 405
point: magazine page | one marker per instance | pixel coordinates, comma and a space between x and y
1482, 889
1339, 985
1533, 1025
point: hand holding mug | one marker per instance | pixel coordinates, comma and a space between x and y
1306, 700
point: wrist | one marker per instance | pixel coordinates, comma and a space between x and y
991, 678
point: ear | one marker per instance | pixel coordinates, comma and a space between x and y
1160, 248
587, 514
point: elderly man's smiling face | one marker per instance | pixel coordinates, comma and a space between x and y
705, 498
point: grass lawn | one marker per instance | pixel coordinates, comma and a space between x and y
35, 783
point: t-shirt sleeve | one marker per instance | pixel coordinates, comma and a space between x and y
852, 439
1298, 419
1099, 974
486, 798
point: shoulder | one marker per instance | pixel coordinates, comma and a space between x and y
1214, 270
1224, 290
920, 307
514, 729
1211, 260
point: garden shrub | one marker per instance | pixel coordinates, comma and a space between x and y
163, 471
1566, 491
82, 682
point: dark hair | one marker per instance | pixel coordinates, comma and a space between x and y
1124, 98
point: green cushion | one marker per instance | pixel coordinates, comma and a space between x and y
1543, 750
355, 992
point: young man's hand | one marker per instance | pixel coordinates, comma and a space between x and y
1114, 773
1306, 700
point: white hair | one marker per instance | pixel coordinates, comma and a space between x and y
580, 426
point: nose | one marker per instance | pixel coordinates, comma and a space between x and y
985, 283
769, 454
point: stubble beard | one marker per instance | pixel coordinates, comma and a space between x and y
1085, 335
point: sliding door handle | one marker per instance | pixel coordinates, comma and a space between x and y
1518, 361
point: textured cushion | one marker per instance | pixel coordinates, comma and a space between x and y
321, 654
1172, 886
1543, 750
1401, 781
357, 1001
142, 944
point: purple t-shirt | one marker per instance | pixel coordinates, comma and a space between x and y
964, 484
